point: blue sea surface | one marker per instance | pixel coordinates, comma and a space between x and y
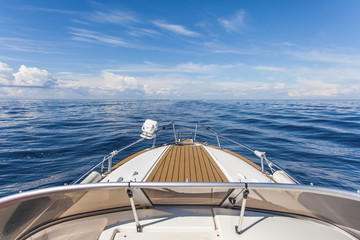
51, 142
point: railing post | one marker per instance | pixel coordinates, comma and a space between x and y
154, 142
238, 228
196, 127
261, 155
173, 123
109, 164
109, 158
138, 226
218, 140
102, 165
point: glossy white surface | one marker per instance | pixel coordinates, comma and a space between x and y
236, 169
137, 168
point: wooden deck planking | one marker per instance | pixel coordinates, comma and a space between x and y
202, 164
170, 170
186, 163
218, 174
156, 172
199, 175
166, 166
193, 177
208, 168
181, 166
175, 176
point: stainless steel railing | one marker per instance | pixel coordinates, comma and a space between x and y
177, 136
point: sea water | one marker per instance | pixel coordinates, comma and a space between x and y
51, 142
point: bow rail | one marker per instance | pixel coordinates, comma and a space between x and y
150, 129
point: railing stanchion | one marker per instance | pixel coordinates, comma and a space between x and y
173, 123
101, 164
138, 226
238, 228
154, 143
196, 127
110, 164
218, 140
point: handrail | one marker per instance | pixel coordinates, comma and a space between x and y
106, 158
304, 201
261, 155
149, 185
196, 128
173, 124
217, 135
110, 156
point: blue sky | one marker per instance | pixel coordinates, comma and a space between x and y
180, 49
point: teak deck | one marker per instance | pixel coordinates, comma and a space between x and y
186, 163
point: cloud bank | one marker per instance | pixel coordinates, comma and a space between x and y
182, 81
6, 74
25, 77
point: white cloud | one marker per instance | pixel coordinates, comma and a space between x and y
111, 81
201, 68
326, 57
186, 80
216, 47
188, 67
11, 92
26, 45
177, 29
279, 85
25, 77
104, 82
336, 74
171, 86
61, 11
163, 91
115, 16
316, 88
32, 76
138, 32
84, 35
6, 74
269, 68
286, 44
28, 82
236, 23
245, 86
148, 90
